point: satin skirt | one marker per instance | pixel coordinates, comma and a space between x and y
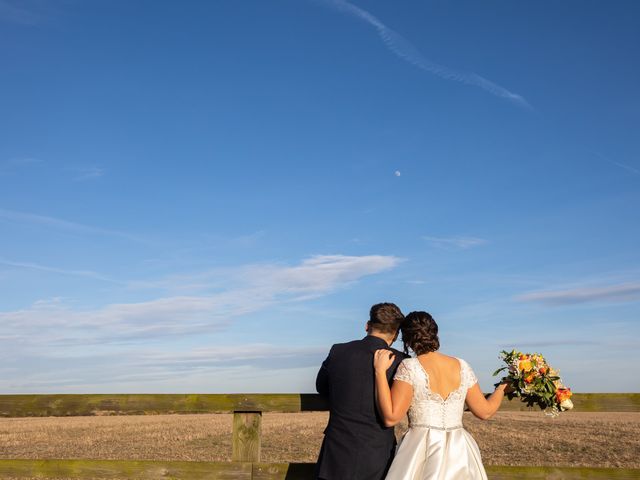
428, 453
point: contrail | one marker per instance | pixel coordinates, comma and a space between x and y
408, 52
628, 168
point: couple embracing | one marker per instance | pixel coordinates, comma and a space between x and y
371, 386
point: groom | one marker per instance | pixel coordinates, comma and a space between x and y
357, 446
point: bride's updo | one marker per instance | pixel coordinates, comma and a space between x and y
420, 333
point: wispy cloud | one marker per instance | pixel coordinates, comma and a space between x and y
250, 289
249, 239
625, 292
57, 223
555, 342
455, 242
255, 353
62, 271
88, 173
139, 370
16, 12
401, 47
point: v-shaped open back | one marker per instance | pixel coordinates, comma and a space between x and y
444, 398
436, 446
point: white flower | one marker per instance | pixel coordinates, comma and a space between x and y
566, 405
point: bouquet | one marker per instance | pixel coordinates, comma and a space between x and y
531, 379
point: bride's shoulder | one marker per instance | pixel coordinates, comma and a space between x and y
462, 361
449, 360
408, 361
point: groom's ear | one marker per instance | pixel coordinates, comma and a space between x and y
367, 327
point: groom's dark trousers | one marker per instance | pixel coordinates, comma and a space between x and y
357, 445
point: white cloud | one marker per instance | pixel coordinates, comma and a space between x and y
457, 242
54, 345
249, 289
397, 173
625, 292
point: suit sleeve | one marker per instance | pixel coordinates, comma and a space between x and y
322, 380
396, 363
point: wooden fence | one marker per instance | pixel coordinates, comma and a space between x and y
247, 420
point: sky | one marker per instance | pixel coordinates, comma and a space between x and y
204, 196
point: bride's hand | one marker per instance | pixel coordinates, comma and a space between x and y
504, 385
382, 360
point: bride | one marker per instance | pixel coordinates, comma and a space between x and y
433, 388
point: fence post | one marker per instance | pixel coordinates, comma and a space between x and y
247, 427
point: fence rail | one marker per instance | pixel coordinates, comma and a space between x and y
61, 405
154, 470
247, 426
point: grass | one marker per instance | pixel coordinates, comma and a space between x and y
576, 439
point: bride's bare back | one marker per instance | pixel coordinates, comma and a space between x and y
443, 372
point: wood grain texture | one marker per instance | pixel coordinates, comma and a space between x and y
129, 469
247, 430
147, 470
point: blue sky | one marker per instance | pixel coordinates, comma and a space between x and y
204, 196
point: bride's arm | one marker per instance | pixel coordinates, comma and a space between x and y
482, 407
392, 403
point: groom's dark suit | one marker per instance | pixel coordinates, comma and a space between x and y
357, 445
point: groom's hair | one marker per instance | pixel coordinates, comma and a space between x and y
385, 317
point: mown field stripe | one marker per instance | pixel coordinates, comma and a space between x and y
61, 405
148, 469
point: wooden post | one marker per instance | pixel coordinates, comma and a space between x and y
247, 427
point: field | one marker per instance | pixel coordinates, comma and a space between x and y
510, 438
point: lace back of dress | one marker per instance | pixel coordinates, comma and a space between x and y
429, 408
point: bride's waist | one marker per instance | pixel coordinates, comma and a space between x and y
447, 428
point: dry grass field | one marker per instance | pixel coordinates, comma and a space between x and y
510, 438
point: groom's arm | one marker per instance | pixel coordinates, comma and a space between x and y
322, 380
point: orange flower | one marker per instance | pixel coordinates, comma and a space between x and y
543, 370
529, 378
563, 394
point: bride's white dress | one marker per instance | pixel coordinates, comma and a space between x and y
436, 446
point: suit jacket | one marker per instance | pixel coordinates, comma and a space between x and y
357, 445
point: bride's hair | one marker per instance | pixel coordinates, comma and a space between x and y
420, 333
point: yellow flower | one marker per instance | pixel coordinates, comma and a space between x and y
525, 365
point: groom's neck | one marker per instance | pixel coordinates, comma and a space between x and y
384, 336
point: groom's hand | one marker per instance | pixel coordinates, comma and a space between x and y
383, 359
